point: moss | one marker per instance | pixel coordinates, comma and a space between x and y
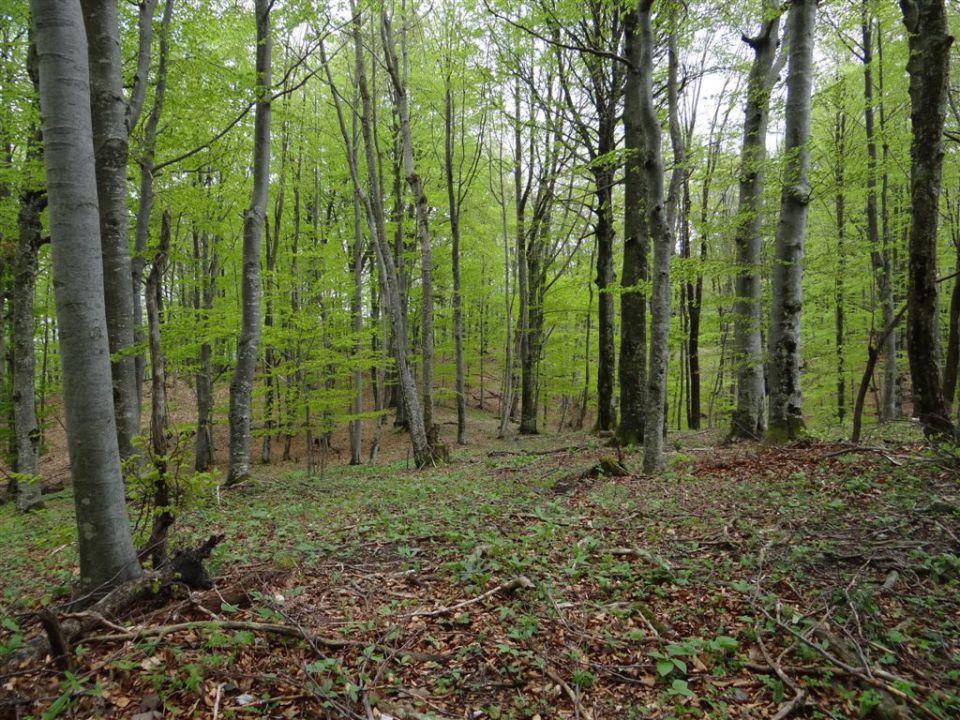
609, 466
629, 438
781, 433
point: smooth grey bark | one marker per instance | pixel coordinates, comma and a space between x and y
33, 199
248, 344
356, 314
786, 404
271, 359
145, 206
398, 72
879, 255
929, 70
749, 419
107, 554
662, 236
636, 241
506, 384
111, 145
138, 93
372, 202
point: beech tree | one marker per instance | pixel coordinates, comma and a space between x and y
248, 344
786, 413
749, 419
112, 122
107, 555
633, 305
661, 233
33, 199
929, 69
445, 219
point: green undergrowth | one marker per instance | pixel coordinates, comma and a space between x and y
654, 593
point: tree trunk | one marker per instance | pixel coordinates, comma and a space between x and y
633, 306
662, 236
398, 75
107, 555
953, 339
929, 70
840, 131
891, 377
33, 199
748, 421
159, 445
356, 314
110, 138
454, 208
248, 344
205, 256
271, 357
372, 201
527, 395
786, 411
605, 280
506, 386
145, 207
879, 256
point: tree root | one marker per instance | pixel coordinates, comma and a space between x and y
186, 568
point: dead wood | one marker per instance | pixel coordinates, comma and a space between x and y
521, 581
865, 449
844, 659
538, 453
186, 568
59, 645
291, 631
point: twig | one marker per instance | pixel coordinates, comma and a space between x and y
216, 701
800, 694
521, 581
578, 707
857, 672
162, 631
273, 628
865, 449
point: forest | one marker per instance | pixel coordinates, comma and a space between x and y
423, 359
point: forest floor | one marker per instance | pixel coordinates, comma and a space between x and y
746, 582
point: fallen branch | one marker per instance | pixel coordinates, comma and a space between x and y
185, 568
555, 451
800, 694
161, 631
521, 581
879, 679
640, 554
574, 698
865, 449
